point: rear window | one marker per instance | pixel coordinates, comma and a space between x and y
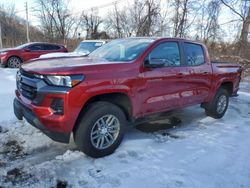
194, 54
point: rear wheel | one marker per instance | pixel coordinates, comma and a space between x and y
218, 106
100, 130
14, 62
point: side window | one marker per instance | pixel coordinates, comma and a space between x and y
47, 47
35, 47
167, 53
194, 54
55, 47
51, 47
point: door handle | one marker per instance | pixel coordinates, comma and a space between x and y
205, 72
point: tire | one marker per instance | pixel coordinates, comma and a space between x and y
218, 106
91, 129
14, 62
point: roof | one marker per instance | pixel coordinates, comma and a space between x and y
29, 43
103, 40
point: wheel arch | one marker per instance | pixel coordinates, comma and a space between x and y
120, 99
228, 85
17, 56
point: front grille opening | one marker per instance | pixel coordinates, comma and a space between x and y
28, 91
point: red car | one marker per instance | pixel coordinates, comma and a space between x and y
127, 81
14, 57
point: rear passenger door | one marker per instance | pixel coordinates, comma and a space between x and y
198, 73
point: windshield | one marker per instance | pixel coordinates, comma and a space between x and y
22, 46
122, 49
88, 47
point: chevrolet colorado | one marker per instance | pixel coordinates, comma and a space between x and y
123, 82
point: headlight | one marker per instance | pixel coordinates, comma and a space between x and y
66, 81
3, 53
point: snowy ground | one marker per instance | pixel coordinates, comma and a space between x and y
198, 152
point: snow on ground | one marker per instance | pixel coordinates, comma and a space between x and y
197, 152
7, 93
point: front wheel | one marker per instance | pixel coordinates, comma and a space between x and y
101, 129
218, 106
14, 62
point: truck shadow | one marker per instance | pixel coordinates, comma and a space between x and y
155, 126
187, 120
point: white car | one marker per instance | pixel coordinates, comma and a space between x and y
84, 48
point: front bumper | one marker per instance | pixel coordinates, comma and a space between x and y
3, 61
21, 111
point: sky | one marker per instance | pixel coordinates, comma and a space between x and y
77, 6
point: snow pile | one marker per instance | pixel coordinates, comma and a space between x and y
198, 152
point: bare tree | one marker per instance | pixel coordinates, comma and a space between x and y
208, 26
117, 21
180, 17
142, 18
9, 25
91, 23
242, 10
212, 26
55, 18
13, 27
114, 22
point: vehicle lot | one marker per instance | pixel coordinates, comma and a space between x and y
198, 152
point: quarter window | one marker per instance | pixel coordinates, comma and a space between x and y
194, 54
167, 53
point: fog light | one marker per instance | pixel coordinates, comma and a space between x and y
57, 106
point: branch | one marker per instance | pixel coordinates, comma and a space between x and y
232, 9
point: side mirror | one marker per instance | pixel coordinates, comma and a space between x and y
154, 63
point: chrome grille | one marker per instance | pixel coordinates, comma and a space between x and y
26, 84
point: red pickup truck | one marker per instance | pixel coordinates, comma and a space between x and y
123, 82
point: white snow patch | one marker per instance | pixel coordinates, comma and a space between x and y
7, 93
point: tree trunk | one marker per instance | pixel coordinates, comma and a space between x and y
244, 33
245, 28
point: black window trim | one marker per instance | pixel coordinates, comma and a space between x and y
185, 56
181, 53
43, 47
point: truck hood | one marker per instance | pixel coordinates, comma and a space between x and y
65, 65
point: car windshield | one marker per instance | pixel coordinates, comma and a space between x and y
88, 47
122, 49
22, 46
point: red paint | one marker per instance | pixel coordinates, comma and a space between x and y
25, 54
149, 90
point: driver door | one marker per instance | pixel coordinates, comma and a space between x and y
164, 83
